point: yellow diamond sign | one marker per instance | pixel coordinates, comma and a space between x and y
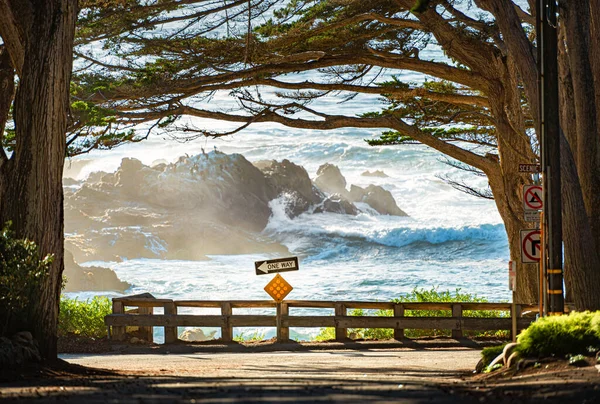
278, 288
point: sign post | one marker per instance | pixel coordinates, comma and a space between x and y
512, 285
549, 131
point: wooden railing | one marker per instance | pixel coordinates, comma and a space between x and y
144, 318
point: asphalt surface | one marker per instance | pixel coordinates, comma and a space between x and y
366, 375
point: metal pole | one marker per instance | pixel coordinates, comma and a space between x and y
550, 150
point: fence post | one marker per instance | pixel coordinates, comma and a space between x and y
340, 333
515, 314
170, 332
457, 332
118, 332
227, 329
283, 333
398, 313
146, 332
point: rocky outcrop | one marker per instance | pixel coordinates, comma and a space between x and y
378, 198
337, 204
196, 334
376, 173
330, 179
90, 278
287, 177
211, 203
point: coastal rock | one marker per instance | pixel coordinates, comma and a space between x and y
196, 334
212, 203
208, 204
336, 204
91, 278
376, 197
287, 177
330, 179
376, 173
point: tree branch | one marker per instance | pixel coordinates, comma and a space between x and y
326, 122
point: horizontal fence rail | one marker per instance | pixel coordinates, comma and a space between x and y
143, 317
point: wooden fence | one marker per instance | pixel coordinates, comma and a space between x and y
144, 318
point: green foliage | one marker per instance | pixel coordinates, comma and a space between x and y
84, 318
255, 336
421, 295
561, 335
420, 6
488, 354
22, 272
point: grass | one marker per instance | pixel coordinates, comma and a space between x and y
422, 295
85, 318
243, 337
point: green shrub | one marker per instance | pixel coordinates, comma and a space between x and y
561, 335
84, 318
22, 272
422, 295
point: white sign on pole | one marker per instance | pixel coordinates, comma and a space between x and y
532, 202
531, 246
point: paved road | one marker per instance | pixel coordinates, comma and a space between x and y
366, 375
314, 376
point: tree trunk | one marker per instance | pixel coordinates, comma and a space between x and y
32, 195
582, 275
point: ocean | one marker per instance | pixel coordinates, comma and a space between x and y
450, 240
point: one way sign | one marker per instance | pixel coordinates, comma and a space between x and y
277, 265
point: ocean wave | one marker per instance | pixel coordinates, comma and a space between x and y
324, 228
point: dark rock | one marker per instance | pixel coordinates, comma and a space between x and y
330, 179
336, 204
287, 177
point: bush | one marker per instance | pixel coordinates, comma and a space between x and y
84, 318
22, 272
576, 333
422, 295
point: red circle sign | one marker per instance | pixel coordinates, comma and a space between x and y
533, 198
530, 245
